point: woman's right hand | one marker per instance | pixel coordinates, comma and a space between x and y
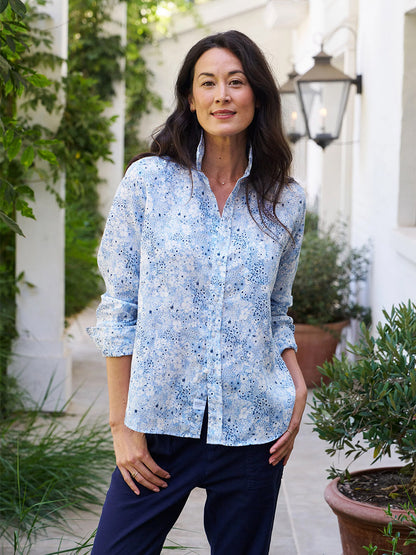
135, 462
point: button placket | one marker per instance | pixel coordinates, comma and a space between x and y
221, 246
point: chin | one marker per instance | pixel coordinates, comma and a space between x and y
226, 132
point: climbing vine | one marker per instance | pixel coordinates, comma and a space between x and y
94, 67
24, 142
96, 59
144, 17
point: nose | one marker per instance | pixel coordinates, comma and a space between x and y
222, 96
222, 99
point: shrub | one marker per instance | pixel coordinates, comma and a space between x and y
369, 403
328, 269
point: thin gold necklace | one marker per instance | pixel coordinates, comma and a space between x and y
225, 182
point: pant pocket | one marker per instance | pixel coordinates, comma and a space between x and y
261, 474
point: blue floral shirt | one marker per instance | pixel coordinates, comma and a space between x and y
200, 300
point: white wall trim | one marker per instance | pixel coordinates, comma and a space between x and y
404, 241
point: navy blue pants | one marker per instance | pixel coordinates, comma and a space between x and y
241, 486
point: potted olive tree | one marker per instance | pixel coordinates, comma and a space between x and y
370, 405
323, 300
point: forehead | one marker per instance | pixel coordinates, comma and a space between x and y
215, 60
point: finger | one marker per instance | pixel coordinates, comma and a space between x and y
286, 459
145, 483
129, 481
281, 449
133, 473
132, 477
287, 436
280, 443
150, 463
281, 456
147, 479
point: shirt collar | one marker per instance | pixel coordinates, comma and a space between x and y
200, 151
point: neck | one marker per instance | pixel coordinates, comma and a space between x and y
225, 158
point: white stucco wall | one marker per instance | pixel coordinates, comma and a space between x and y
360, 177
377, 159
112, 172
328, 173
40, 358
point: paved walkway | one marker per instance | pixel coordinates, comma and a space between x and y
304, 523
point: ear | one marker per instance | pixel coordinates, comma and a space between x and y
191, 103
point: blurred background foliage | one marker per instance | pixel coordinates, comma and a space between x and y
32, 155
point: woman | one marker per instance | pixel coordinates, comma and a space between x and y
199, 255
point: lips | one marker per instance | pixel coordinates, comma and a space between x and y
223, 114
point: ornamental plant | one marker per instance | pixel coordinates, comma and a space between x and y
328, 270
369, 404
52, 468
23, 145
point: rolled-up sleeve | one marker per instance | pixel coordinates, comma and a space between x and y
282, 324
118, 260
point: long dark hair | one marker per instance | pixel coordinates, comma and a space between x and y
178, 138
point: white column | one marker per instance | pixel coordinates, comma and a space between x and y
40, 359
112, 172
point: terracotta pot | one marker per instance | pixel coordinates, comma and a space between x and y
316, 344
362, 524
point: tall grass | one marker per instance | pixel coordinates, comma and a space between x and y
48, 469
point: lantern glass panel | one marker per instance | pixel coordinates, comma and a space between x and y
293, 120
324, 105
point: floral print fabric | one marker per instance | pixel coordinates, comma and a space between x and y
200, 300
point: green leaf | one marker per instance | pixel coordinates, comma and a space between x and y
38, 80
10, 223
8, 87
18, 7
10, 43
3, 5
28, 156
4, 65
7, 192
8, 137
14, 148
25, 210
48, 155
26, 191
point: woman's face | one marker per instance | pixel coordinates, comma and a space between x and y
221, 95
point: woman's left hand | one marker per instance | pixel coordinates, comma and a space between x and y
283, 447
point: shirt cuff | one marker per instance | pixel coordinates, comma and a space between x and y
114, 341
285, 338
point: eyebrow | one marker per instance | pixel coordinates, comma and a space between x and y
233, 72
